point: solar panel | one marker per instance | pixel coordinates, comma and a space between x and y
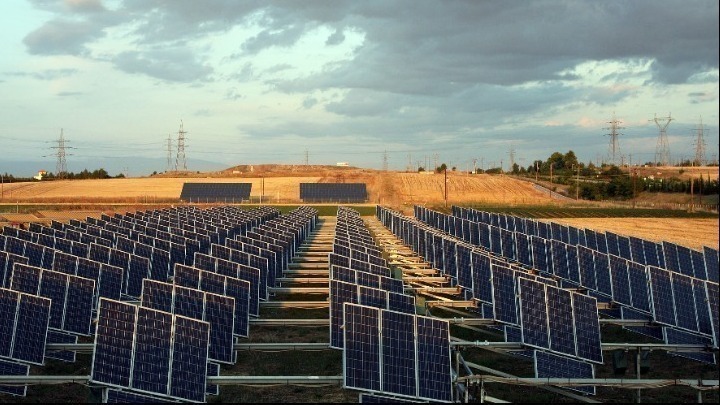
213, 370
503, 287
698, 263
539, 254
433, 357
150, 351
482, 277
12, 368
684, 302
533, 313
712, 295
702, 307
11, 259
361, 354
651, 253
333, 192
114, 396
523, 249
587, 328
685, 260
215, 192
620, 280
398, 354
639, 288
671, 256
602, 274
560, 321
711, 263
674, 336
25, 278
662, 296
586, 265
401, 303
548, 365
340, 293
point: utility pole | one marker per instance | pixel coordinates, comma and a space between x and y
474, 166
512, 157
385, 161
180, 161
634, 187
536, 170
662, 149
446, 182
436, 156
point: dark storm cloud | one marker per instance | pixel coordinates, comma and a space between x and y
169, 65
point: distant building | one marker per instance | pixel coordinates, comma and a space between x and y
40, 175
342, 164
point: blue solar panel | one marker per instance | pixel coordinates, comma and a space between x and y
684, 302
533, 313
698, 263
639, 287
78, 304
401, 303
637, 250
433, 354
655, 332
560, 320
543, 230
482, 277
508, 244
361, 356
624, 247
152, 351
484, 236
113, 396
711, 263
558, 256
213, 370
712, 295
522, 247
12, 368
367, 279
372, 297
54, 286
220, 313
602, 273
464, 266
586, 265
540, 254
685, 261
11, 260
650, 250
548, 365
503, 284
340, 293
620, 280
495, 240
671, 256
138, 269
587, 328
398, 354
157, 295
662, 296
189, 360
674, 336
702, 307
25, 278
112, 358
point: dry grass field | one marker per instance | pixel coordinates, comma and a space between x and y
398, 190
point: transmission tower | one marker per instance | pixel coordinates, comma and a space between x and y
180, 157
512, 157
61, 165
385, 161
662, 150
169, 166
700, 145
436, 156
614, 149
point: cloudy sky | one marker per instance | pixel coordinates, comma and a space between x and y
352, 81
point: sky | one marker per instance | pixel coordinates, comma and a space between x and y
460, 82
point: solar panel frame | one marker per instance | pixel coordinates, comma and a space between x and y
684, 299
587, 328
662, 296
547, 365
13, 368
398, 354
620, 280
361, 354
560, 320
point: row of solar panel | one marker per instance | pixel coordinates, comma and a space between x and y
541, 314
681, 259
215, 192
643, 288
386, 347
333, 192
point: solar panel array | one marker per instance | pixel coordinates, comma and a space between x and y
605, 264
333, 192
71, 268
366, 277
150, 351
395, 353
215, 192
536, 310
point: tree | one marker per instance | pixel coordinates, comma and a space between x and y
570, 160
441, 168
515, 168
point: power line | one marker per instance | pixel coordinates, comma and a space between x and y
700, 145
61, 165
